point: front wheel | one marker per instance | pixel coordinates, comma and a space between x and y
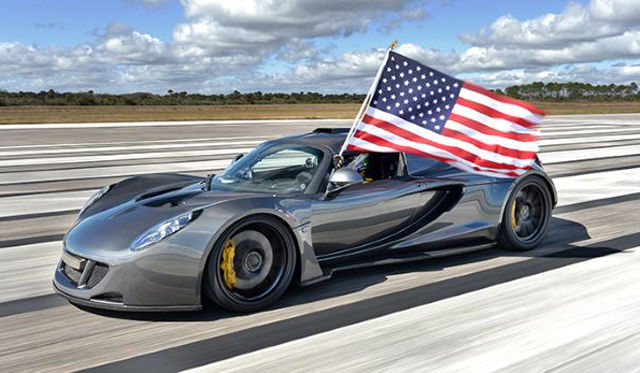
527, 215
251, 265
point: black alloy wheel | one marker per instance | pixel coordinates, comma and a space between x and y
252, 265
527, 215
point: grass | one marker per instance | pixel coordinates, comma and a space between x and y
82, 114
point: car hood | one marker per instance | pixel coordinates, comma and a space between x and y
117, 223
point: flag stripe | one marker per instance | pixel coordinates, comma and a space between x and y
459, 152
507, 152
498, 124
362, 140
504, 99
510, 109
488, 130
494, 140
435, 139
495, 114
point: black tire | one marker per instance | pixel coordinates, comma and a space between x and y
262, 276
527, 215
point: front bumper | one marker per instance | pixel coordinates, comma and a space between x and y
115, 306
159, 279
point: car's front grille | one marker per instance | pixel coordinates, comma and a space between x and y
99, 271
90, 274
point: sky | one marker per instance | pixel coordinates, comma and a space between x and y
328, 46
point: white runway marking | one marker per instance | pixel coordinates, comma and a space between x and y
113, 171
115, 157
277, 122
130, 148
585, 154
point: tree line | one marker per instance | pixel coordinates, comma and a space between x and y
538, 91
52, 97
573, 91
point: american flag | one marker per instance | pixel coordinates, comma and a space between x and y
416, 109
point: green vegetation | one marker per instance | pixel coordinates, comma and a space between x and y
540, 92
573, 92
172, 98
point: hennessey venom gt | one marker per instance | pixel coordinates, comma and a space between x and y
283, 213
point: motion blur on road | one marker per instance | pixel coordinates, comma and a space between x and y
571, 305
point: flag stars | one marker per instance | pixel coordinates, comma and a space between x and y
424, 122
430, 112
388, 107
384, 99
419, 88
430, 73
393, 77
406, 101
413, 117
410, 109
402, 94
397, 85
423, 76
388, 88
455, 85
397, 67
437, 127
433, 120
410, 71
442, 117
406, 82
421, 115
402, 75
428, 85
410, 90
435, 81
397, 104
418, 68
415, 98
447, 107
438, 109
423, 95
405, 63
401, 112
414, 79
439, 90
443, 80
448, 88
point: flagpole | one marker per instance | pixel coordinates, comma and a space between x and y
365, 103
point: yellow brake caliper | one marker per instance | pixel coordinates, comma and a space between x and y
513, 214
226, 265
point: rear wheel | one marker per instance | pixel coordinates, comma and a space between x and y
527, 215
251, 265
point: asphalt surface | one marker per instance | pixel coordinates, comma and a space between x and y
571, 305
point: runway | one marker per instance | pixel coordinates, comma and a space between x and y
571, 305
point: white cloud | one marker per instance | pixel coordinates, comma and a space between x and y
224, 44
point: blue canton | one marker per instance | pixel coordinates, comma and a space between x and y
416, 93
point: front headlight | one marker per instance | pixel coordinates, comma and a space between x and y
164, 230
96, 196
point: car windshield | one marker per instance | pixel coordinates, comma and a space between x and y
286, 169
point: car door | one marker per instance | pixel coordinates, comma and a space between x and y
365, 213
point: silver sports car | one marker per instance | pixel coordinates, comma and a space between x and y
283, 213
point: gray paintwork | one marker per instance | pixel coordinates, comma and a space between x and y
435, 212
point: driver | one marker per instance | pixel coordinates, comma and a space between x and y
360, 164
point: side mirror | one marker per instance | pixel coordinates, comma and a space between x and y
237, 158
343, 178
